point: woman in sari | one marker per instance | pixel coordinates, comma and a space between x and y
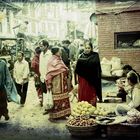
88, 70
56, 80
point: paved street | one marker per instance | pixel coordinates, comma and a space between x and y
29, 123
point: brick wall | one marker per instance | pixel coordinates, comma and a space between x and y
122, 22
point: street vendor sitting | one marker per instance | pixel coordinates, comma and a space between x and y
133, 96
122, 84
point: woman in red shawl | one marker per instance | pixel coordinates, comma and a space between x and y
56, 80
88, 70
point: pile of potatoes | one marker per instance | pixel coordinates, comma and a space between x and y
81, 121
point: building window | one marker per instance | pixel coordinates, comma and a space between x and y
127, 40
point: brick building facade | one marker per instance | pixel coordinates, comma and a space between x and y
113, 17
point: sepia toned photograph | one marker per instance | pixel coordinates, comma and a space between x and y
69, 69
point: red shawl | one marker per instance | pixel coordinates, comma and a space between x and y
35, 64
55, 66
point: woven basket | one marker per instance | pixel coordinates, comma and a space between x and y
82, 130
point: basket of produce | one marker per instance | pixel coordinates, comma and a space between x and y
82, 126
83, 108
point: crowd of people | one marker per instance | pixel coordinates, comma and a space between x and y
53, 69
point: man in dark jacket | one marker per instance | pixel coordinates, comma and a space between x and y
66, 52
66, 59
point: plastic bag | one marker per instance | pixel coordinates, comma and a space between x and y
49, 100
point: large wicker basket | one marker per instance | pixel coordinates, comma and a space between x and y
82, 130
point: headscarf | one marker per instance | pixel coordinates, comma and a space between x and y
55, 67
